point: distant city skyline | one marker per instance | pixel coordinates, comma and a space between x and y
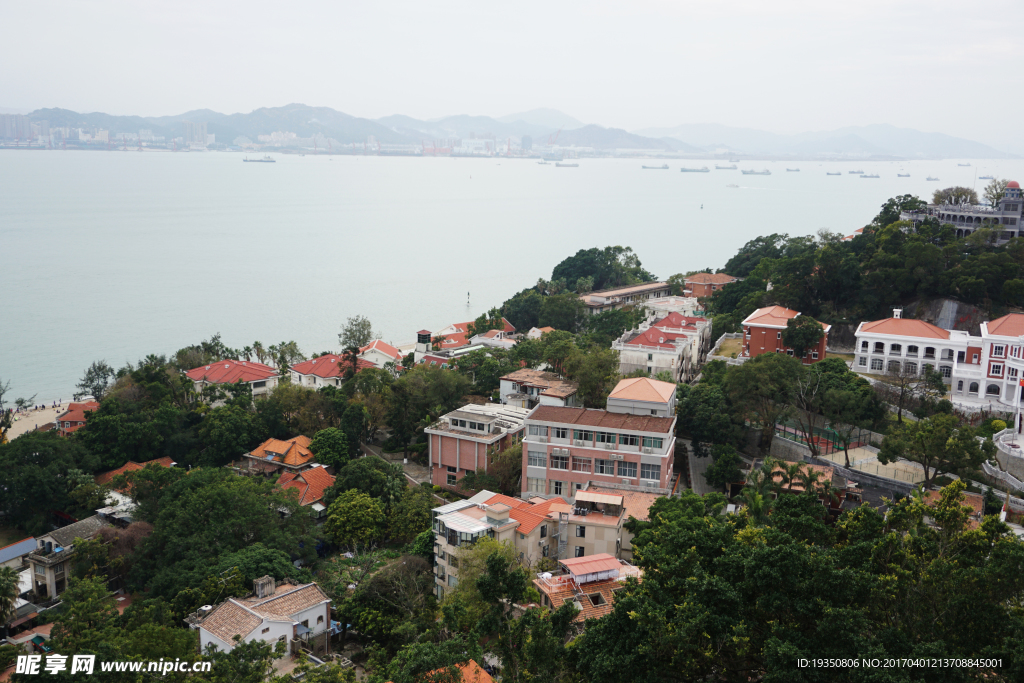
785, 67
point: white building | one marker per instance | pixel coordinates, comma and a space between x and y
528, 388
675, 344
286, 613
380, 353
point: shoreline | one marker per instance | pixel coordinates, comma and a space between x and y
31, 419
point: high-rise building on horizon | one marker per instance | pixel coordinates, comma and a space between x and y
195, 133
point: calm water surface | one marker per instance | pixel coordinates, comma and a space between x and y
111, 255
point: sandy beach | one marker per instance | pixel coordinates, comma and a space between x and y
27, 421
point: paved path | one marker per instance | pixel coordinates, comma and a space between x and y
697, 467
416, 474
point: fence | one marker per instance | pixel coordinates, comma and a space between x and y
999, 475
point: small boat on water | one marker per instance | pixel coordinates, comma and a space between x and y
764, 172
265, 160
704, 169
734, 161
543, 162
855, 172
902, 175
792, 170
871, 176
732, 186
986, 177
831, 173
663, 167
929, 178
726, 168
963, 164
559, 164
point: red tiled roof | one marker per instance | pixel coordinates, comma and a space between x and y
602, 419
104, 478
506, 500
643, 389
905, 327
436, 361
383, 347
471, 673
1010, 325
460, 337
528, 521
775, 316
76, 411
710, 278
678, 320
657, 338
310, 484
330, 365
231, 371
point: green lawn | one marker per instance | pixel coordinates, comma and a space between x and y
730, 347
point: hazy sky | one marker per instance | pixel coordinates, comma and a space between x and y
780, 65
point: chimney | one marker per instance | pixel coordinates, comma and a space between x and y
497, 514
897, 313
264, 586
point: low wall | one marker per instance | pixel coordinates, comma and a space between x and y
791, 450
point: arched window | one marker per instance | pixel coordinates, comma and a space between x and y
992, 390
910, 368
960, 386
912, 350
894, 366
973, 389
879, 347
895, 349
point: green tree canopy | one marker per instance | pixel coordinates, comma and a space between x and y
355, 520
802, 334
939, 444
357, 331
330, 446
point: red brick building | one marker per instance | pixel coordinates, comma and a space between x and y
706, 284
74, 418
762, 333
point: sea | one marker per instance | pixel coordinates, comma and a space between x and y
116, 255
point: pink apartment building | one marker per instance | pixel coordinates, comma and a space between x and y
460, 441
631, 442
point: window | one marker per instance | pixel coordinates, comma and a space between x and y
627, 469
452, 476
582, 435
543, 530
536, 459
556, 487
997, 369
578, 551
879, 347
895, 349
266, 630
453, 562
535, 485
652, 442
960, 386
581, 464
629, 440
862, 361
650, 472
259, 385
544, 551
992, 390
975, 359
910, 368
973, 389
789, 352
604, 467
998, 350
911, 350
814, 355
650, 356
41, 570
605, 437
452, 580
778, 335
320, 619
1011, 372
559, 462
894, 366
537, 430
581, 531
876, 363
561, 432
864, 346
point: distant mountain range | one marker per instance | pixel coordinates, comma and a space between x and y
877, 140
542, 125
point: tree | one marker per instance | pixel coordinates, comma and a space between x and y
87, 620
228, 432
596, 371
464, 605
704, 414
357, 331
995, 190
844, 409
725, 469
485, 322
9, 591
608, 267
523, 309
903, 385
762, 391
97, 379
1013, 292
507, 469
802, 334
955, 195
355, 520
371, 475
411, 516
330, 446
562, 312
892, 209
939, 444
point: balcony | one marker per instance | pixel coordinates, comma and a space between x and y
41, 556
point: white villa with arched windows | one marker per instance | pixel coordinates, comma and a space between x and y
989, 367
1006, 216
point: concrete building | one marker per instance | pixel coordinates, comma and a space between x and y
528, 388
51, 560
460, 441
297, 615
195, 133
538, 332
762, 333
566, 448
590, 582
675, 344
380, 353
684, 305
1005, 217
262, 378
633, 295
899, 344
706, 284
456, 335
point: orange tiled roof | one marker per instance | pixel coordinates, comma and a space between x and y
590, 417
972, 500
562, 594
593, 564
293, 452
471, 673
383, 347
643, 389
76, 411
230, 371
310, 484
1010, 325
330, 365
905, 327
104, 478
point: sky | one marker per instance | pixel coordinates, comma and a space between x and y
785, 66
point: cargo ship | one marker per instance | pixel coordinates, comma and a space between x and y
663, 167
705, 169
725, 168
265, 160
764, 172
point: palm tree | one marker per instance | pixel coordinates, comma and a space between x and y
247, 352
759, 507
257, 348
9, 592
791, 472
